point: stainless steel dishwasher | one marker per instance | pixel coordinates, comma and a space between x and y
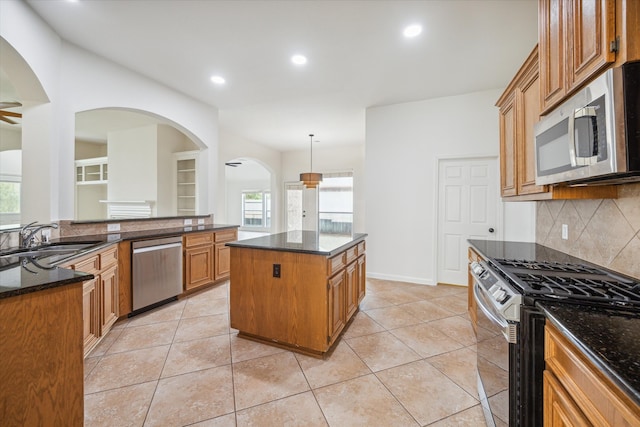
157, 271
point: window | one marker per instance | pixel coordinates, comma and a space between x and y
335, 203
9, 200
256, 209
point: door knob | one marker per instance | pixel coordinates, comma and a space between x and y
491, 230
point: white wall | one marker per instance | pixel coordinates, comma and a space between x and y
133, 166
332, 159
403, 145
10, 139
87, 82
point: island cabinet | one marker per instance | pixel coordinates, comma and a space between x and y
298, 300
41, 376
206, 258
100, 295
576, 393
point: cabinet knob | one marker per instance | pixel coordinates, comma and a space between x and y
491, 230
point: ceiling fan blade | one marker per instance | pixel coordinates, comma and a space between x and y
4, 119
10, 104
9, 113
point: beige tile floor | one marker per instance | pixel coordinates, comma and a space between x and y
407, 359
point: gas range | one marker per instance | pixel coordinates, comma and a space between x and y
571, 283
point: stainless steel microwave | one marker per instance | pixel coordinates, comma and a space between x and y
594, 136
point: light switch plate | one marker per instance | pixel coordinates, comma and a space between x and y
565, 231
200, 220
113, 227
188, 222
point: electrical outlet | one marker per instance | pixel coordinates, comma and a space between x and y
113, 227
565, 231
188, 222
200, 221
276, 270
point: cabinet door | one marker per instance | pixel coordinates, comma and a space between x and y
508, 148
551, 43
90, 314
336, 305
109, 296
528, 115
198, 266
590, 29
351, 289
559, 410
222, 261
362, 277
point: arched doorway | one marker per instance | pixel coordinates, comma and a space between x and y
249, 200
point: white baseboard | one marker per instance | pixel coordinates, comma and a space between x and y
395, 278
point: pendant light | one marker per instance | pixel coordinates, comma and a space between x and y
311, 179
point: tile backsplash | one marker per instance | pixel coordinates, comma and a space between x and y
603, 231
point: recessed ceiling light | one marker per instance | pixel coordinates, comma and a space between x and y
218, 80
299, 59
412, 31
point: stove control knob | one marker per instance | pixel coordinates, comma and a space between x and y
477, 269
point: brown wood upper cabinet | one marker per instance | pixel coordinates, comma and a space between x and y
519, 111
580, 38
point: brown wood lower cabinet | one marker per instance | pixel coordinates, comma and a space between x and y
41, 376
206, 258
304, 309
471, 301
100, 295
576, 393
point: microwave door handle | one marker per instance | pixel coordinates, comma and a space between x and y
588, 112
572, 140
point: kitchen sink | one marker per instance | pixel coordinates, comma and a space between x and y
49, 250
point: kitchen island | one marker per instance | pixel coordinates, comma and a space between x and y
298, 289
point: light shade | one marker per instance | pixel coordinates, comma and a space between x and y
311, 179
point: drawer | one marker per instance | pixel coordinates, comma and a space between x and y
225, 236
600, 400
89, 265
109, 257
362, 248
336, 264
196, 239
351, 254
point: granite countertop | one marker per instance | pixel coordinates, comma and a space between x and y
23, 275
499, 249
309, 242
609, 338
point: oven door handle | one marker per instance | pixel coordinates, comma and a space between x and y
507, 330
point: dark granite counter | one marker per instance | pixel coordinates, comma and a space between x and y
523, 251
609, 338
23, 275
309, 242
31, 278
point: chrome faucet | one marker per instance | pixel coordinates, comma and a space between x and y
27, 234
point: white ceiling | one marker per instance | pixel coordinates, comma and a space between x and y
357, 55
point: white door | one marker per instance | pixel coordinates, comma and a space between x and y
302, 207
467, 209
